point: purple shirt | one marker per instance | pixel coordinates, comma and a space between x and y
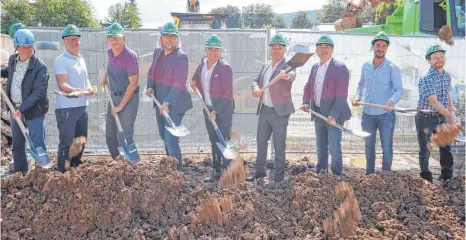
120, 68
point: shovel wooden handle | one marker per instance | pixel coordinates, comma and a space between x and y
12, 110
274, 80
117, 119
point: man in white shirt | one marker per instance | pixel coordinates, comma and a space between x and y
274, 110
71, 77
327, 87
214, 79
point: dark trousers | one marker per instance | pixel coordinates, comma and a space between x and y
425, 126
224, 124
127, 118
270, 122
71, 123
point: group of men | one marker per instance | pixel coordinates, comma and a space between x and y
326, 92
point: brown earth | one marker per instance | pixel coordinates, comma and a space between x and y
112, 200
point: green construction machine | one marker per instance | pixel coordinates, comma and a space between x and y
421, 17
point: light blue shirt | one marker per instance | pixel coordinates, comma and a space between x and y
379, 85
76, 71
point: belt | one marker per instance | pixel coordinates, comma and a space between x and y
432, 114
265, 106
16, 105
122, 93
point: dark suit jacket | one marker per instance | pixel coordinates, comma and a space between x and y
280, 92
333, 101
33, 88
221, 87
171, 87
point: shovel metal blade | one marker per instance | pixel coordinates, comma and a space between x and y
129, 151
298, 60
229, 151
180, 131
359, 133
41, 158
461, 137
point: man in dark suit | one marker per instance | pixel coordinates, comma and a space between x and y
167, 76
214, 79
327, 87
274, 110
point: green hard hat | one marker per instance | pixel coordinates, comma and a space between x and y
70, 30
213, 41
169, 28
277, 39
381, 36
434, 48
13, 28
116, 30
325, 40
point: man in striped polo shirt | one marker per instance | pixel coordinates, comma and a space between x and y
123, 83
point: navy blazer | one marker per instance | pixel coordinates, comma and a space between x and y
33, 88
280, 92
333, 101
221, 87
171, 87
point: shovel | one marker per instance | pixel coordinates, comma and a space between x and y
226, 147
343, 129
396, 109
298, 60
129, 150
178, 131
39, 155
70, 95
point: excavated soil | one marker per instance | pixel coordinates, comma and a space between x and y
112, 200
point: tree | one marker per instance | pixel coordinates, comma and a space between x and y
279, 22
301, 21
17, 11
257, 15
334, 9
385, 9
234, 15
59, 13
125, 14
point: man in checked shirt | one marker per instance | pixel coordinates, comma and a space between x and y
437, 105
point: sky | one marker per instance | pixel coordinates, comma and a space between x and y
154, 13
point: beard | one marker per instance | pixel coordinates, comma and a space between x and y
379, 55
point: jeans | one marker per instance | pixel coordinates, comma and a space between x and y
425, 126
172, 143
36, 130
328, 138
71, 123
385, 123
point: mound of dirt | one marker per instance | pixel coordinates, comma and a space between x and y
112, 200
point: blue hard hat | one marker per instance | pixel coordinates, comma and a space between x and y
23, 37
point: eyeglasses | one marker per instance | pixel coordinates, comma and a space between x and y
73, 40
113, 38
170, 36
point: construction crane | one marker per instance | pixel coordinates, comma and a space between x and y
193, 6
444, 18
